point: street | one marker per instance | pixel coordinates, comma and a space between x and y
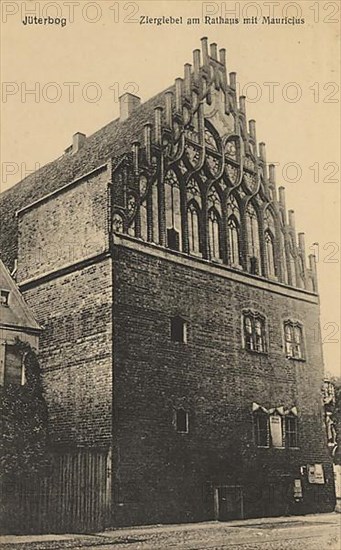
311, 532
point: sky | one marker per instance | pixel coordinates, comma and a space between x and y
77, 66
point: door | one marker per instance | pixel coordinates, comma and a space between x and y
228, 503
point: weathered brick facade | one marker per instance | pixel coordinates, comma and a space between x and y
187, 225
168, 476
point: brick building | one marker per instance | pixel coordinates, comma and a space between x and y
178, 311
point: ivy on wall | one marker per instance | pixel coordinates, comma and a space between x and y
24, 422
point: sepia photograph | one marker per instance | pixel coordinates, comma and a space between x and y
170, 275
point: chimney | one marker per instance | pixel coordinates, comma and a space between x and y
78, 140
128, 104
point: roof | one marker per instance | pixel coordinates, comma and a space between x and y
111, 141
17, 314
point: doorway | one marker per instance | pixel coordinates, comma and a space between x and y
228, 502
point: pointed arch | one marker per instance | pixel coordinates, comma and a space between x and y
214, 234
193, 192
214, 221
233, 230
270, 253
270, 232
253, 243
173, 210
283, 256
193, 225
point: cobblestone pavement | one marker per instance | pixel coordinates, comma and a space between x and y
314, 532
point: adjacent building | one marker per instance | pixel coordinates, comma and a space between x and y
17, 323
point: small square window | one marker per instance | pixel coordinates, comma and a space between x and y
181, 421
4, 297
178, 330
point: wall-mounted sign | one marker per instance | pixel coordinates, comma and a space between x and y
315, 473
297, 489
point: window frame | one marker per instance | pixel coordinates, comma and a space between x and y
257, 415
186, 413
288, 418
294, 326
254, 317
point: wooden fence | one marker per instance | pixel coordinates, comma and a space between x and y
75, 497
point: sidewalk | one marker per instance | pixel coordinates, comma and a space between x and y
132, 534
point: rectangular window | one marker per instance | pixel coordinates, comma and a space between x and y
293, 340
254, 332
261, 425
4, 297
14, 372
291, 431
178, 330
173, 239
181, 421
276, 430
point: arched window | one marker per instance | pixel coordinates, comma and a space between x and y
270, 242
214, 234
270, 253
284, 258
234, 240
173, 211
252, 228
233, 228
214, 224
193, 229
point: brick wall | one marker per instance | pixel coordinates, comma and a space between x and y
75, 310
70, 294
162, 475
69, 226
